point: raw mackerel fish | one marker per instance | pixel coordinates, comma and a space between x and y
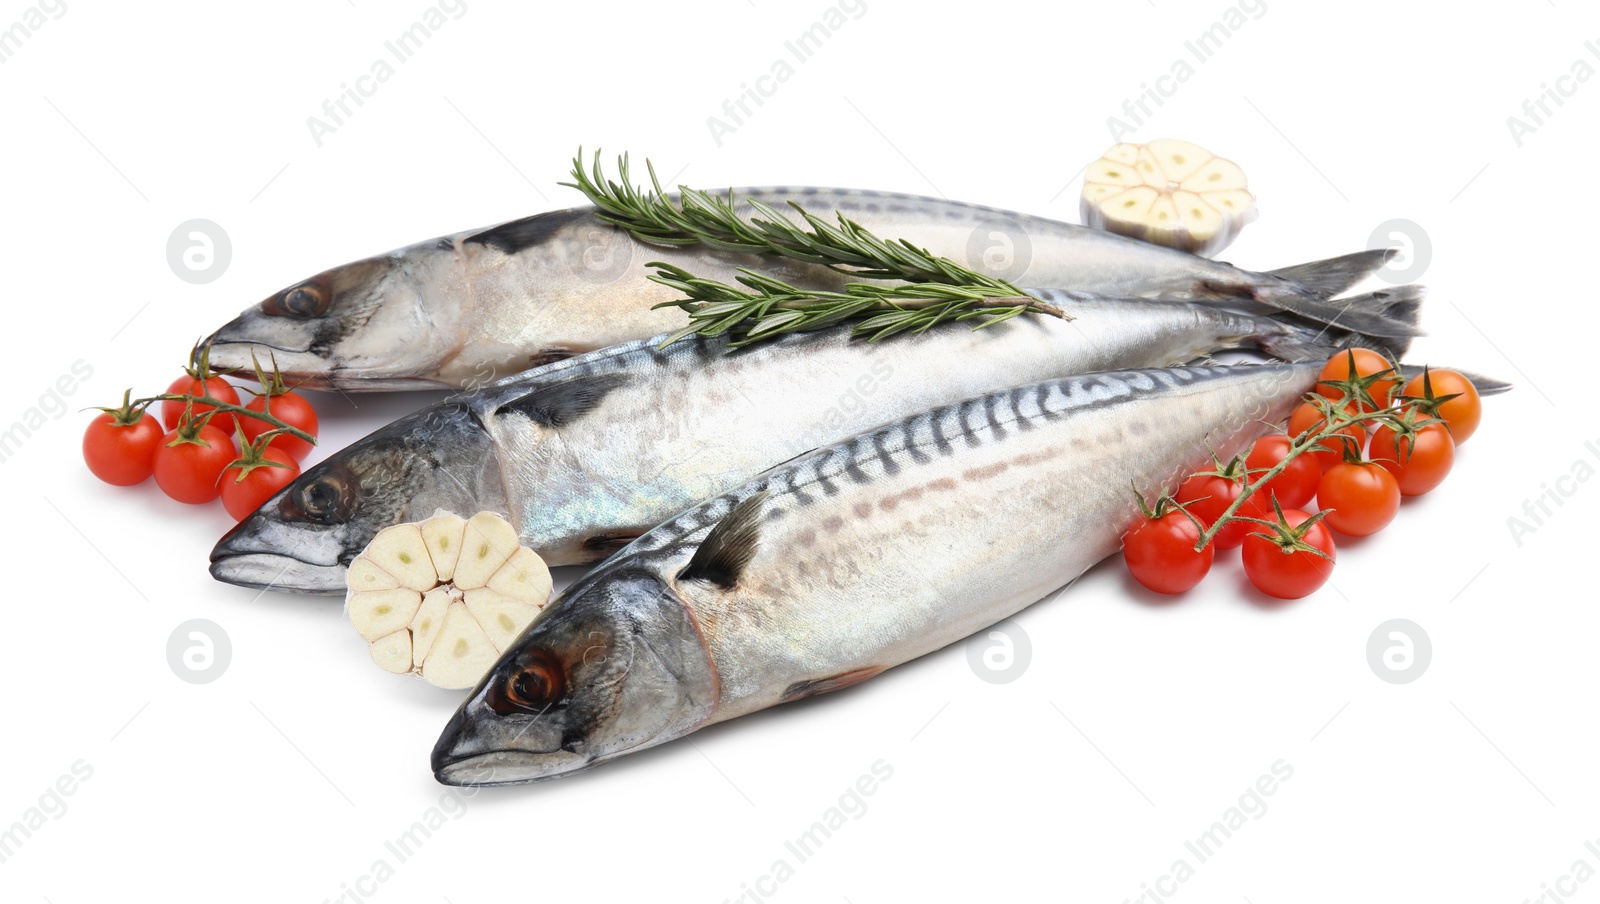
466, 309
584, 455
827, 570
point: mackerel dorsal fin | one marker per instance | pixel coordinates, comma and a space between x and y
517, 235
730, 545
559, 404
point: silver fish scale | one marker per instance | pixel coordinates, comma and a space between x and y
939, 428
846, 200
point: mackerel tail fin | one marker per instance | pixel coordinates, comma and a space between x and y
1318, 341
1332, 276
1348, 314
1296, 341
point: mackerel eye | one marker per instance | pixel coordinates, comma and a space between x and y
302, 302
326, 500
539, 683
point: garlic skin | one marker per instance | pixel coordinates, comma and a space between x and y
1168, 192
442, 598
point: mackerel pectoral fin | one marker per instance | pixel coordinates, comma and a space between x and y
550, 355
562, 403
601, 546
518, 235
728, 548
812, 687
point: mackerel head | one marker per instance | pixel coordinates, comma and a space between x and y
302, 539
370, 324
464, 310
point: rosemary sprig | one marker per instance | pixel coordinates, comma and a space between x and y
774, 307
941, 290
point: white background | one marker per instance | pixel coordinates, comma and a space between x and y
1137, 722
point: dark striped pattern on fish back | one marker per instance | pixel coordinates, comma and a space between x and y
921, 439
854, 201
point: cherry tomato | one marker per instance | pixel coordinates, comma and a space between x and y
1296, 485
1287, 570
245, 486
187, 467
121, 454
1462, 413
216, 387
1368, 363
1418, 464
1330, 450
1160, 553
293, 409
1361, 498
1208, 495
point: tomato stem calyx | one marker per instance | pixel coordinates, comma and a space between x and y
1406, 424
270, 388
1357, 388
129, 413
1290, 538
1429, 403
189, 426
1165, 505
253, 454
199, 366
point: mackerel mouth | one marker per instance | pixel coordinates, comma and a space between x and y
233, 356
506, 767
217, 341
275, 571
464, 755
240, 356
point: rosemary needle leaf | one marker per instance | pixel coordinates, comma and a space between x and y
774, 322
931, 289
681, 334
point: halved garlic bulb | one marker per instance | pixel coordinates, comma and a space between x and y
444, 597
1170, 193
